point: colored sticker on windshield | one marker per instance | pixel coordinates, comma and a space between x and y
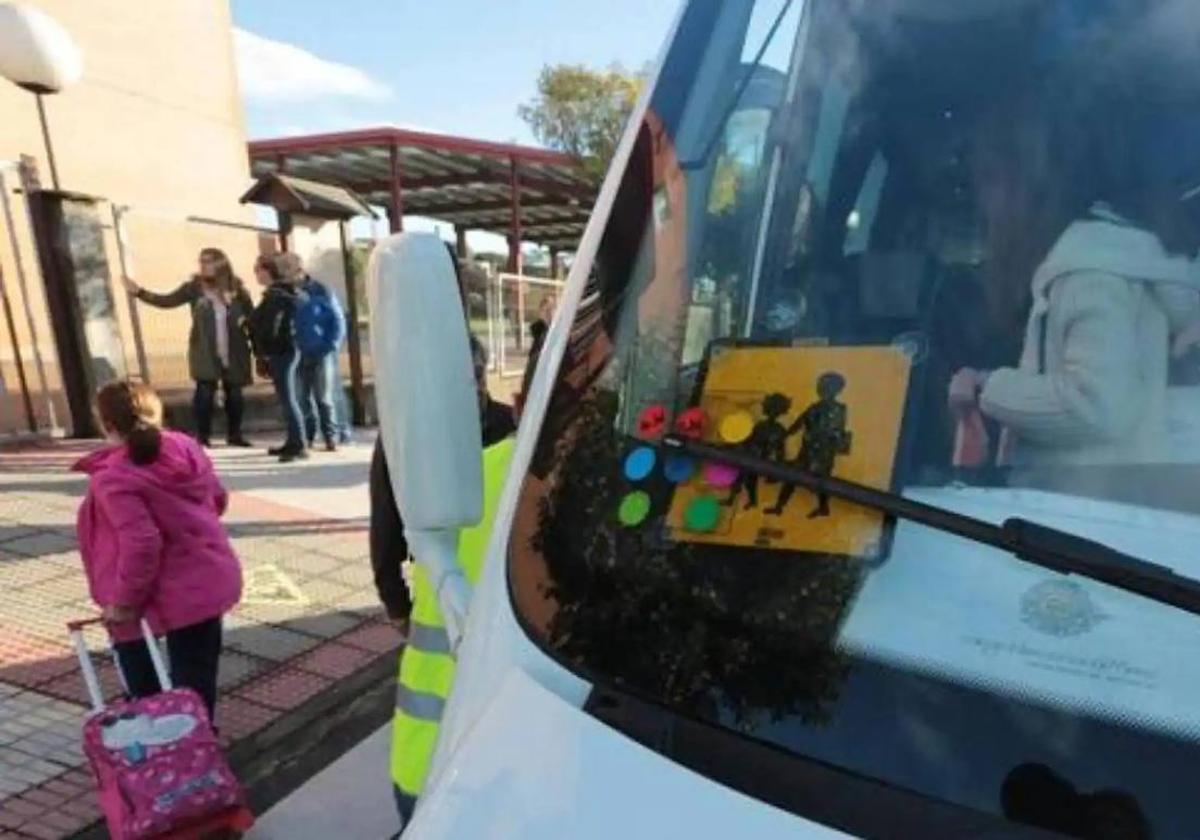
828, 410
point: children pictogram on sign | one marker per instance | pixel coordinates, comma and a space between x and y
766, 441
825, 436
832, 411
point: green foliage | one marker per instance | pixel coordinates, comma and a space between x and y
582, 111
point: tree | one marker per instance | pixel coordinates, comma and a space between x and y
582, 111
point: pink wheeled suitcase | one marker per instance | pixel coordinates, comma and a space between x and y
160, 772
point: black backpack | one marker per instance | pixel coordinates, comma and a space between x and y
272, 325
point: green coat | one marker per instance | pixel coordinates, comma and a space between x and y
203, 363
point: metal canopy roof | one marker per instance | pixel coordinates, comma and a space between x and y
468, 183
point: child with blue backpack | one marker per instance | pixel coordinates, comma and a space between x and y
320, 328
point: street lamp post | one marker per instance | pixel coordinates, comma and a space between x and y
39, 55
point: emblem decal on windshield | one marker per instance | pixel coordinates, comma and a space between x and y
1059, 608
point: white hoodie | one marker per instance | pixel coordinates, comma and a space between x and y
1091, 385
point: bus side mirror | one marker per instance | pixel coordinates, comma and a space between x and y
428, 406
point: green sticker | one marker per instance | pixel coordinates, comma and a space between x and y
635, 507
702, 514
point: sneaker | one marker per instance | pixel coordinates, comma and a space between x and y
289, 455
239, 443
277, 450
330, 445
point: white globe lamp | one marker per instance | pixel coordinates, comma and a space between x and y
39, 55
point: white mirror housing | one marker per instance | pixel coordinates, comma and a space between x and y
428, 407
36, 52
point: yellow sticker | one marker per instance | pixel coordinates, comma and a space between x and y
830, 410
737, 427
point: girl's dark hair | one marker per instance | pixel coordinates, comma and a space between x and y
225, 279
134, 412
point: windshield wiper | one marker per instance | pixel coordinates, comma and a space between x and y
1034, 543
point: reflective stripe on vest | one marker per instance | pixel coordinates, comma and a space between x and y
428, 638
426, 672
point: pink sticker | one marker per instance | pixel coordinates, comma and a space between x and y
719, 475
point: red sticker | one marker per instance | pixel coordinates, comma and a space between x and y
652, 422
691, 423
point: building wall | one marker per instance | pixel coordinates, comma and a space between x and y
156, 124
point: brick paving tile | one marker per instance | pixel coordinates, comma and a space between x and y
364, 606
334, 661
237, 668
29, 660
325, 591
326, 625
41, 748
238, 718
305, 560
72, 688
278, 614
68, 589
13, 530
21, 572
84, 807
41, 544
285, 689
9, 819
44, 798
62, 786
377, 638
42, 832
347, 547
22, 808
32, 511
262, 550
81, 778
64, 823
42, 617
274, 643
9, 785
354, 575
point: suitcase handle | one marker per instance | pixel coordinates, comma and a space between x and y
75, 630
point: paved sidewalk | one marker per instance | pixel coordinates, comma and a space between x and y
309, 617
351, 798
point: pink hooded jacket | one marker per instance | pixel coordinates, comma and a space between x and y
151, 536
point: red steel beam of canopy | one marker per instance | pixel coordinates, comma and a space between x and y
573, 192
476, 209
404, 137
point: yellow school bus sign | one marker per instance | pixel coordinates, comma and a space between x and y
828, 410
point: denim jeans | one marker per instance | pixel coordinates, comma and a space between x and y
283, 373
202, 408
316, 397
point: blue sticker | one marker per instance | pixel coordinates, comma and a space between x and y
679, 468
640, 463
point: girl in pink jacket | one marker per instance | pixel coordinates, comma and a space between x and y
153, 545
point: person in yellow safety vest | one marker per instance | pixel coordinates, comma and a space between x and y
426, 665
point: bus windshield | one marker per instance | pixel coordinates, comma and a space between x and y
946, 249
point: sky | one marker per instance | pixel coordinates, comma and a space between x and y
453, 66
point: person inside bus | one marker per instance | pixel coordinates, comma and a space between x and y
1091, 384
